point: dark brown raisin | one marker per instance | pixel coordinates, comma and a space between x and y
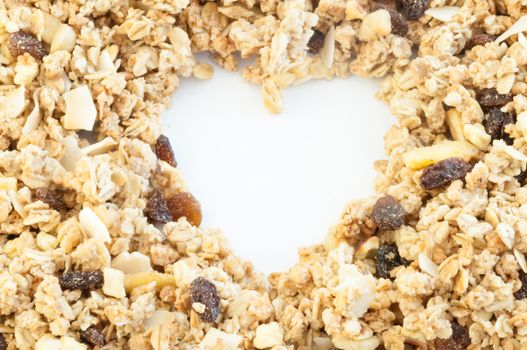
21, 42
459, 339
388, 258
204, 292
481, 39
315, 4
491, 98
93, 336
185, 205
495, 122
388, 214
164, 150
399, 23
51, 198
316, 41
521, 177
444, 172
85, 281
522, 292
156, 208
3, 343
413, 9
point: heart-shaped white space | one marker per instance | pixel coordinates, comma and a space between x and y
275, 183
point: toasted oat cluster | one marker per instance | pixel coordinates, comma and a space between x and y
100, 241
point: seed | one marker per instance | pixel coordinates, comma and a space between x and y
481, 39
92, 335
164, 150
156, 208
204, 292
495, 122
444, 172
491, 98
85, 281
399, 23
51, 198
185, 205
3, 344
388, 214
388, 258
412, 9
316, 42
459, 339
522, 292
21, 42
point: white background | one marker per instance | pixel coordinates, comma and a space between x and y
273, 183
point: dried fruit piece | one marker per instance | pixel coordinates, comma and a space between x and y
164, 150
399, 23
413, 9
459, 339
85, 281
495, 123
3, 344
156, 208
388, 258
388, 213
22, 42
481, 39
92, 336
204, 292
51, 198
316, 42
185, 205
491, 98
522, 292
444, 172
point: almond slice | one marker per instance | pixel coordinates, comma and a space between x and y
72, 153
113, 283
419, 158
520, 258
100, 147
48, 342
64, 39
13, 103
105, 62
327, 54
92, 226
130, 263
34, 117
80, 109
142, 278
455, 124
519, 26
427, 265
8, 183
445, 13
160, 317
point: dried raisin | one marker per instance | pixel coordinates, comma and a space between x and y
185, 205
204, 292
156, 208
444, 172
3, 343
399, 23
388, 214
22, 42
93, 336
316, 42
51, 198
459, 339
85, 281
481, 39
413, 9
522, 292
495, 122
388, 258
164, 150
491, 98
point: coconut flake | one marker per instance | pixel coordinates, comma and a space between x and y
445, 13
327, 54
519, 26
427, 265
72, 153
160, 317
105, 62
132, 263
13, 103
64, 39
92, 226
34, 117
80, 109
100, 147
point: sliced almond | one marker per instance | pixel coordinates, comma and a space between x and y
72, 153
506, 233
327, 53
48, 342
70, 343
8, 183
130, 263
51, 26
371, 245
522, 40
80, 109
113, 283
455, 124
105, 62
215, 337
100, 147
34, 117
520, 258
519, 26
13, 103
477, 136
92, 226
143, 278
64, 39
160, 317
419, 158
444, 14
427, 265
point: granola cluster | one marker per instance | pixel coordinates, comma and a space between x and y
100, 240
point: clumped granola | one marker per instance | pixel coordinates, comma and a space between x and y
100, 239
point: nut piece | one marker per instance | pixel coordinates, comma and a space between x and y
427, 265
444, 172
215, 337
92, 226
85, 281
419, 158
134, 262
164, 150
80, 109
375, 25
51, 198
64, 39
45, 342
455, 124
388, 213
204, 292
142, 278
113, 283
268, 335
92, 336
100, 147
506, 233
22, 42
477, 136
184, 204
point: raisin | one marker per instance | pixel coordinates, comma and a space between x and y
316, 41
164, 150
85, 281
444, 172
491, 98
204, 292
481, 39
93, 336
399, 23
412, 9
3, 343
156, 208
495, 122
521, 177
388, 214
21, 42
522, 292
185, 205
388, 258
459, 339
51, 198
